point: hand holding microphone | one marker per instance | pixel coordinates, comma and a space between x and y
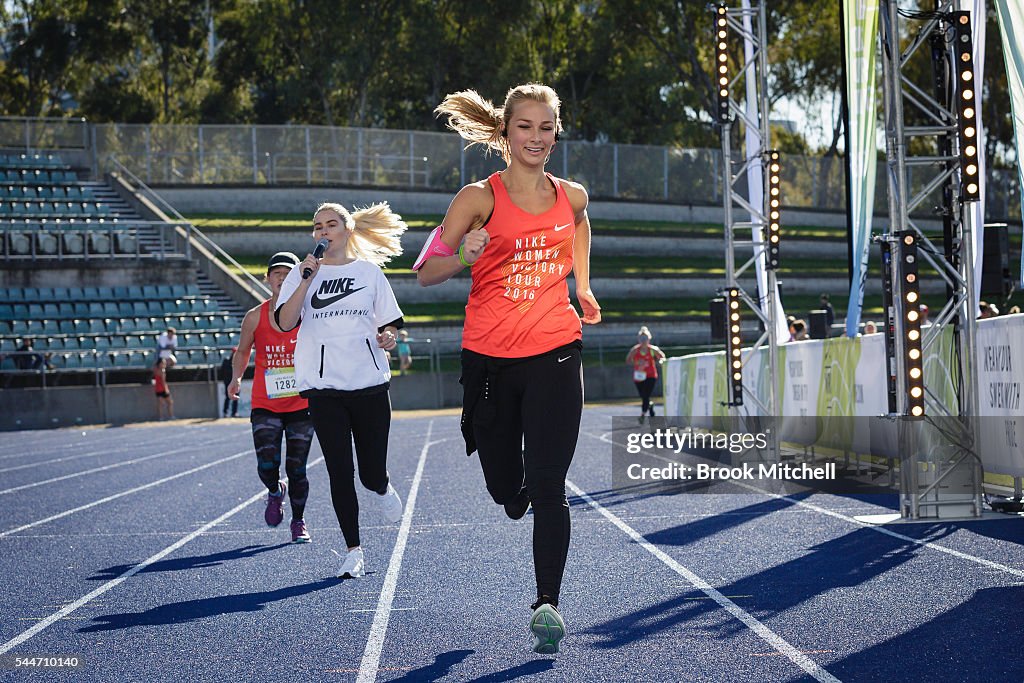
318, 253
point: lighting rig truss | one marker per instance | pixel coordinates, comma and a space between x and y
952, 126
752, 74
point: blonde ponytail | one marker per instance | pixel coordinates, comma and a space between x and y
375, 232
480, 122
475, 119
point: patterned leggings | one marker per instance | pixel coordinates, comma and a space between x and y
267, 429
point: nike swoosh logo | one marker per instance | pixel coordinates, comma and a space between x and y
317, 302
561, 227
562, 360
295, 341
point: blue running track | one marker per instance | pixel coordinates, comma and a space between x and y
142, 550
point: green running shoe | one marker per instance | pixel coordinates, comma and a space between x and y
547, 627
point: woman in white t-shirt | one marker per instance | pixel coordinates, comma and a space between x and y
349, 319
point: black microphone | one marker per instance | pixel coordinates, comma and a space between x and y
318, 252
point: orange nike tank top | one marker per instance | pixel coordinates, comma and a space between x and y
519, 302
273, 384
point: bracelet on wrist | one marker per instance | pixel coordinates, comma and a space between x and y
462, 258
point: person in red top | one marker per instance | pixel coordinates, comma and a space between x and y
277, 407
162, 391
644, 357
521, 232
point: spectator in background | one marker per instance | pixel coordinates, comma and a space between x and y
830, 314
924, 315
404, 352
225, 374
870, 328
27, 358
166, 345
644, 358
162, 390
799, 330
1014, 310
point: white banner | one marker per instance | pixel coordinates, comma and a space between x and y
1011, 28
843, 378
860, 25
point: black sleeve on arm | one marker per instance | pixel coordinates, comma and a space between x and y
397, 324
277, 319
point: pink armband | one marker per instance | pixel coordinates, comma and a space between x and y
433, 247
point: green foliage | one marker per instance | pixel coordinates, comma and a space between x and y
626, 71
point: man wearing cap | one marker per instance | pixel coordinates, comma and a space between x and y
277, 408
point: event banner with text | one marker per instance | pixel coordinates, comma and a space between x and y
832, 380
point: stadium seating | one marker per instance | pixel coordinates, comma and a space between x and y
115, 327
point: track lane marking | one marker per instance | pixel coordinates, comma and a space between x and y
831, 513
89, 455
113, 583
102, 468
121, 494
370, 663
765, 633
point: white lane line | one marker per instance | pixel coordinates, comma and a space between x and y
831, 513
94, 470
91, 455
108, 442
123, 493
113, 583
765, 633
370, 663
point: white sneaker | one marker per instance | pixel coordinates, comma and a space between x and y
391, 504
352, 567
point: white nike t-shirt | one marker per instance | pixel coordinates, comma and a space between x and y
337, 341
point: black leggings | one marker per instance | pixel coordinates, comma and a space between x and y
528, 435
340, 419
297, 428
645, 389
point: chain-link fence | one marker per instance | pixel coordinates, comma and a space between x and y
323, 155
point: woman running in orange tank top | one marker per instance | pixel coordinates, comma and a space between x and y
520, 232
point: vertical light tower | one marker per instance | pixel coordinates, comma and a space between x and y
934, 482
734, 347
748, 68
773, 200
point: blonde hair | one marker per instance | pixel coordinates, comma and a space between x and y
480, 122
375, 232
644, 331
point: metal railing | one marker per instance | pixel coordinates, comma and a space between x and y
29, 133
191, 231
170, 154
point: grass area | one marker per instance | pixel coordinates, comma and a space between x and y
620, 266
627, 310
648, 309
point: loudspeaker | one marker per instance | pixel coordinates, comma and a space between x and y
718, 319
995, 262
817, 321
